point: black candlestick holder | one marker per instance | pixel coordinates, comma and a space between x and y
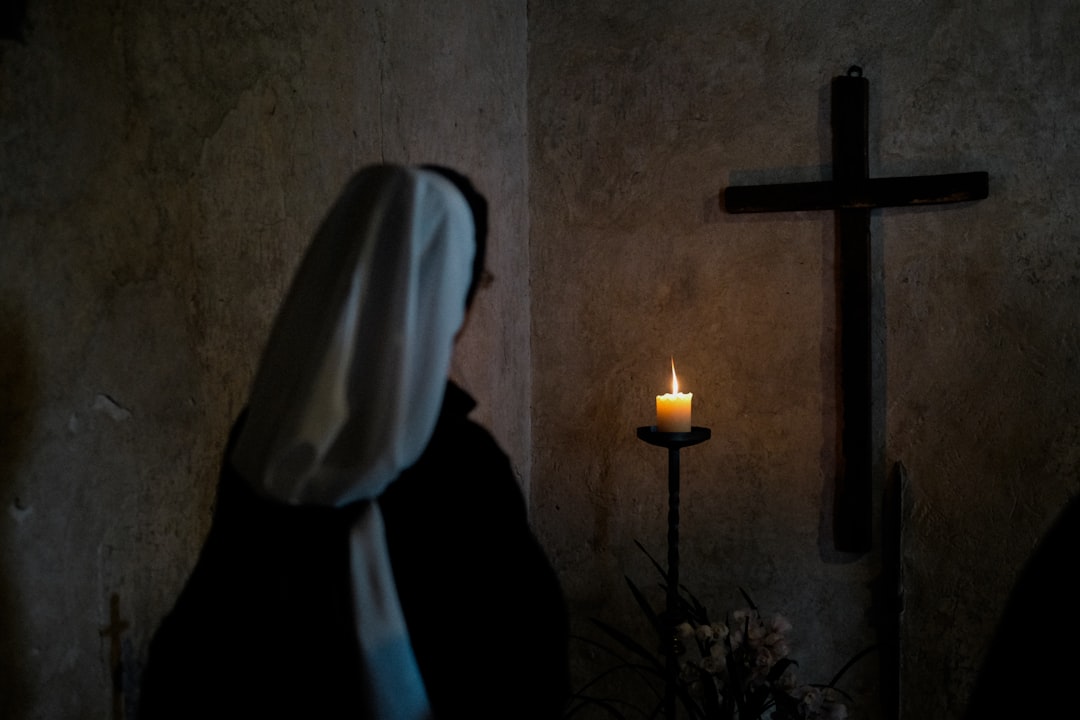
673, 441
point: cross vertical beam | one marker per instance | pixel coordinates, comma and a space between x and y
852, 194
851, 169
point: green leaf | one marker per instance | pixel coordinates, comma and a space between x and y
756, 702
647, 673
693, 608
654, 620
630, 644
711, 701
779, 668
585, 702
858, 656
659, 568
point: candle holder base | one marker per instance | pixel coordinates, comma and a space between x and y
651, 435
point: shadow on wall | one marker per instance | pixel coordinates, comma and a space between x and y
12, 19
1032, 664
16, 407
17, 394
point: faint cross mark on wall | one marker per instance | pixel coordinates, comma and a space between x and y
113, 631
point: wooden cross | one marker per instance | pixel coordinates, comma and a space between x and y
113, 631
852, 193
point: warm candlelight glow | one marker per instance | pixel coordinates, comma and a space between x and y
673, 409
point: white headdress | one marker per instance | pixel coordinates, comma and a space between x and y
352, 380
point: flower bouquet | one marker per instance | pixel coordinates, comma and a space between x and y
735, 668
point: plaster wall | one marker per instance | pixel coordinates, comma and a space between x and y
163, 168
639, 115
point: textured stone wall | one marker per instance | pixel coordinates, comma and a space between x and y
640, 114
163, 167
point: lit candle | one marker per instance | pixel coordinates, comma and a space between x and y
673, 408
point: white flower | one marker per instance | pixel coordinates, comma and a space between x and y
787, 682
832, 707
810, 697
712, 665
716, 661
834, 711
779, 624
779, 649
688, 672
766, 657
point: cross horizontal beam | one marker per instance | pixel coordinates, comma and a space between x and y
865, 194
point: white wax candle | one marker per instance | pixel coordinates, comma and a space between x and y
673, 408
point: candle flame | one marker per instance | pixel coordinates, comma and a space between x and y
674, 379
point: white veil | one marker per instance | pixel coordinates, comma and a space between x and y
352, 380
